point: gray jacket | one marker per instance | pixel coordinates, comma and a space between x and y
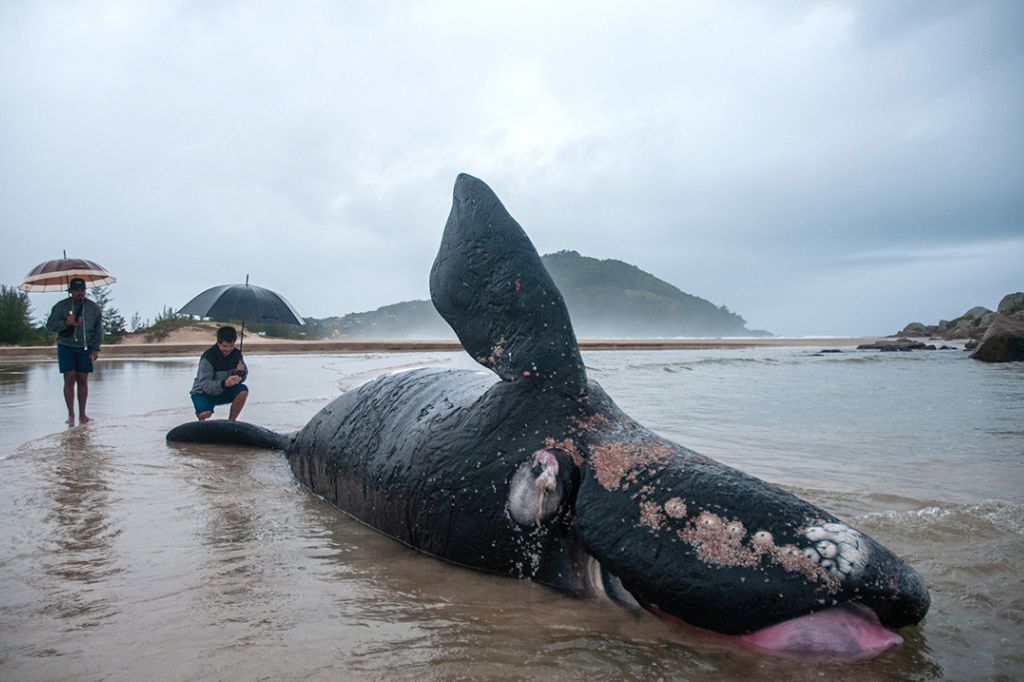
214, 368
87, 334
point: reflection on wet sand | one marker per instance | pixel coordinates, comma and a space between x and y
229, 572
13, 377
80, 551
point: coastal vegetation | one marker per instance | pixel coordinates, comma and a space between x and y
16, 324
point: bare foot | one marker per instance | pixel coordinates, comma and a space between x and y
84, 420
70, 421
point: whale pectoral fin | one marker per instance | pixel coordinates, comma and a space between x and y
229, 432
490, 285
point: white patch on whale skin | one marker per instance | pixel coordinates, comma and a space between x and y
604, 584
837, 548
535, 493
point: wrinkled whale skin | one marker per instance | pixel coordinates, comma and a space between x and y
429, 457
432, 471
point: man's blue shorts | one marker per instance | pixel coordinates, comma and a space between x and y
205, 403
73, 359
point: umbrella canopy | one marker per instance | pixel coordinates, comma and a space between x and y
55, 275
245, 302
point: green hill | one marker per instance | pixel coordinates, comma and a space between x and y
606, 299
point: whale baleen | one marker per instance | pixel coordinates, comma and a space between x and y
531, 470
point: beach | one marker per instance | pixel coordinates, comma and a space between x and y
196, 339
124, 555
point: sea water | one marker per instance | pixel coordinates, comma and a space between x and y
123, 557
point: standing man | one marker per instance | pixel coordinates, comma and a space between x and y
220, 376
78, 323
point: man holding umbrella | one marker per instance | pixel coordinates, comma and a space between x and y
78, 323
219, 378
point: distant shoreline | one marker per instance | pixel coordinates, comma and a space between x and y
262, 346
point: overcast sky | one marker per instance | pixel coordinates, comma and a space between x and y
821, 168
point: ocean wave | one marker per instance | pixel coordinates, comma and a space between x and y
689, 366
999, 515
861, 358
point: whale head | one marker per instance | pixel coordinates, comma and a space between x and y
720, 549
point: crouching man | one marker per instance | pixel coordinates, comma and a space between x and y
220, 376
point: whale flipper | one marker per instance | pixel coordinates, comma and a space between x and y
490, 285
229, 432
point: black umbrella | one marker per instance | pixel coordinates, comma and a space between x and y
245, 302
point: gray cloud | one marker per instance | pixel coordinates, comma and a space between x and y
820, 168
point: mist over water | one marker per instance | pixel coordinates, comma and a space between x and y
122, 557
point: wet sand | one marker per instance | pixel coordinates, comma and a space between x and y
124, 557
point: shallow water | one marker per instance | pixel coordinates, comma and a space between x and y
122, 557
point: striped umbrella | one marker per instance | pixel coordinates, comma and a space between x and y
55, 275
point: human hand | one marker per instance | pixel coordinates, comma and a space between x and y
232, 380
71, 321
93, 355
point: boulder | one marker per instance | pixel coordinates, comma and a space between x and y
976, 313
1003, 340
961, 329
1011, 303
915, 329
899, 344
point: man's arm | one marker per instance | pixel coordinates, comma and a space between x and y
96, 333
57, 322
206, 380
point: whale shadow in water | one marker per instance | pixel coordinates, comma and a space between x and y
532, 471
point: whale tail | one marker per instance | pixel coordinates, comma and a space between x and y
231, 433
489, 284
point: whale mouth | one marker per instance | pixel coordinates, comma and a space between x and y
850, 630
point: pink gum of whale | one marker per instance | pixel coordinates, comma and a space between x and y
850, 630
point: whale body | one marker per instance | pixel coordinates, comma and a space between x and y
529, 469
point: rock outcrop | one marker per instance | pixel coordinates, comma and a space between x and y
1011, 303
1003, 340
972, 325
897, 344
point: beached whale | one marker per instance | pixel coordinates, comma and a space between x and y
535, 473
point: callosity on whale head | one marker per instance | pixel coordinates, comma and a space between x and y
684, 535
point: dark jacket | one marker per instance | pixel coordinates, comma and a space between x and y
87, 334
214, 368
